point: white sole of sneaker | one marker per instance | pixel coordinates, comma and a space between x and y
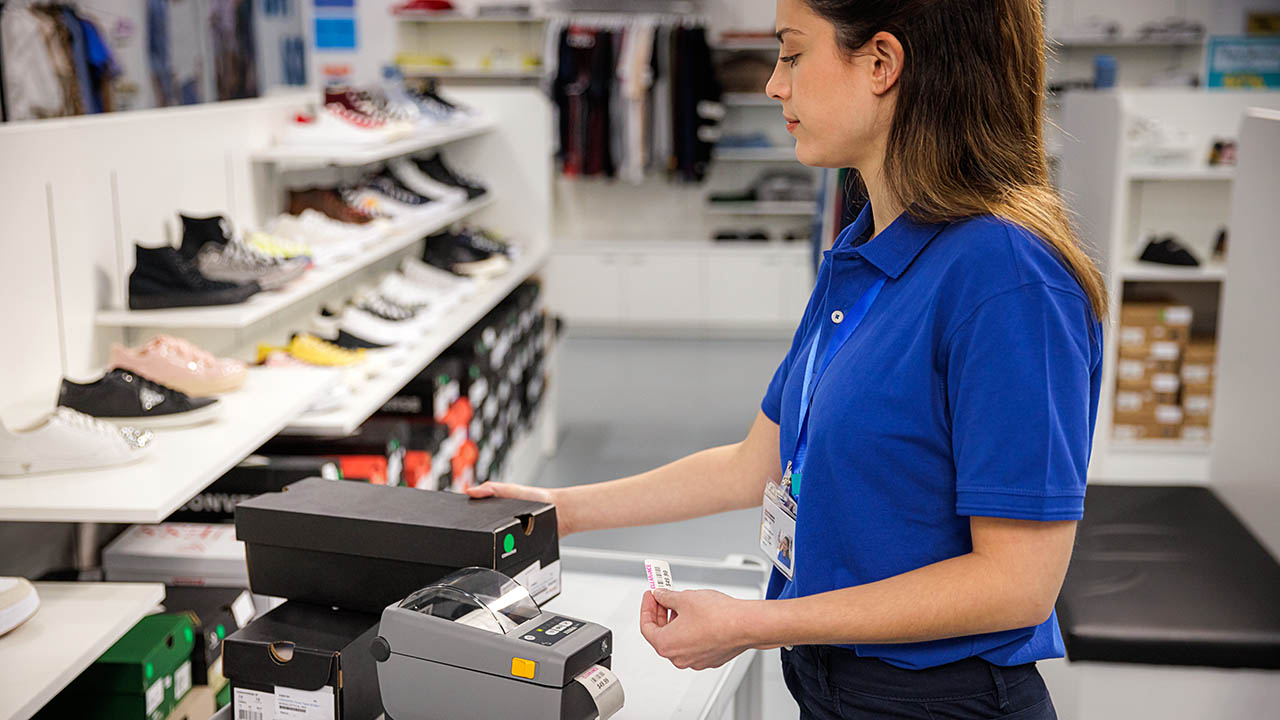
206, 414
14, 615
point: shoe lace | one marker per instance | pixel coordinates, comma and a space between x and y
388, 187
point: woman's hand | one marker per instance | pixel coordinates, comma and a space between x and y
706, 629
524, 492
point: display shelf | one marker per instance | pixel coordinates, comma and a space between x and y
764, 154
760, 44
448, 73
306, 157
178, 465
75, 624
375, 393
1123, 42
453, 16
748, 99
263, 305
762, 208
694, 246
1153, 272
1175, 462
1202, 173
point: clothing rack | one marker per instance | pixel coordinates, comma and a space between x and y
615, 20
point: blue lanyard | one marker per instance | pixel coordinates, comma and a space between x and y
843, 331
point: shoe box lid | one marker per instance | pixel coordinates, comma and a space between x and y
177, 553
214, 613
308, 647
255, 475
155, 647
354, 527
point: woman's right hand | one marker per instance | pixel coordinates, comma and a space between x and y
525, 492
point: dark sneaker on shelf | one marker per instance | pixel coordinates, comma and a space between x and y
130, 399
436, 169
355, 342
484, 241
197, 232
162, 278
1168, 251
460, 255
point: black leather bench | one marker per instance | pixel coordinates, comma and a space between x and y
1169, 576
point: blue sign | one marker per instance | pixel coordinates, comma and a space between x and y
335, 33
1243, 62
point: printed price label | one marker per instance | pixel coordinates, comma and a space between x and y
659, 574
604, 688
254, 705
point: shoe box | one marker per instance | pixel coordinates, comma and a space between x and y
1152, 338
214, 613
255, 475
1199, 368
374, 452
362, 547
304, 661
141, 677
199, 554
199, 704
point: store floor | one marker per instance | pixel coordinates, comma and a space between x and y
629, 405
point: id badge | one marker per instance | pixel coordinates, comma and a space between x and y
778, 528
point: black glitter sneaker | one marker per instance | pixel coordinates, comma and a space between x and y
130, 399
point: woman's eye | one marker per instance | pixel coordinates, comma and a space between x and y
789, 59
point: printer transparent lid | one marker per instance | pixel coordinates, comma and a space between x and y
479, 597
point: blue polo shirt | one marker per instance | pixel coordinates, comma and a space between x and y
970, 388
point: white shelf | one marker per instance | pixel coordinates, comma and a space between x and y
178, 465
804, 208
263, 305
745, 99
696, 246
768, 154
75, 624
448, 16
1187, 174
447, 73
1154, 272
375, 393
747, 44
1122, 42
301, 157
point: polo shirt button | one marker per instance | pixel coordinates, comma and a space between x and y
837, 317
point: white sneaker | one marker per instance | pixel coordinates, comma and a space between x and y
423, 184
375, 329
401, 290
423, 273
327, 127
69, 440
18, 602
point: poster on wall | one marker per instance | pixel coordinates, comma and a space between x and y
1243, 62
336, 39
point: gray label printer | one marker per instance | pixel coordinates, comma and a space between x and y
475, 646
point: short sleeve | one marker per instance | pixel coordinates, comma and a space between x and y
1019, 386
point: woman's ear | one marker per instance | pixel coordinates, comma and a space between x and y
887, 57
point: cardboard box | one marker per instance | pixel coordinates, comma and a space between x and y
1139, 335
1147, 431
300, 654
141, 677
1197, 407
1155, 314
1134, 401
255, 475
214, 613
1196, 433
377, 437
362, 547
1202, 350
201, 554
199, 704
1163, 355
1166, 415
1157, 383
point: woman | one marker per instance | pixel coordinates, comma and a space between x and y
932, 421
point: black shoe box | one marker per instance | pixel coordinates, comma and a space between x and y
309, 648
385, 437
362, 547
432, 391
215, 613
255, 475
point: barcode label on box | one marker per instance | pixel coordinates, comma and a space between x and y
254, 705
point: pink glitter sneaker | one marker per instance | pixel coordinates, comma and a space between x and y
181, 365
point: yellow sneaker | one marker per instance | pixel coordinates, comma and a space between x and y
273, 246
315, 351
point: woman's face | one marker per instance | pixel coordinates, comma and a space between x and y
827, 94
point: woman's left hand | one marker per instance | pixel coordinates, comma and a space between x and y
706, 629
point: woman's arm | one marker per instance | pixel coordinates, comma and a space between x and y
1009, 581
729, 477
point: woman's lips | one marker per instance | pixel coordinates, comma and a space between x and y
791, 123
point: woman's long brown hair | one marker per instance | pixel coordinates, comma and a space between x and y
966, 137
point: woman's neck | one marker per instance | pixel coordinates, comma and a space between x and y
885, 207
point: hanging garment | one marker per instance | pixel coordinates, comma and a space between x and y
662, 147
57, 39
635, 77
697, 102
31, 85
79, 58
102, 66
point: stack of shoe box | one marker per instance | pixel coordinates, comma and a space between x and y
1152, 342
1198, 371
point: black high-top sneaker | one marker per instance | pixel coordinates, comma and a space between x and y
435, 168
198, 231
163, 278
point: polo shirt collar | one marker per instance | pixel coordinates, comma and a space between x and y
892, 250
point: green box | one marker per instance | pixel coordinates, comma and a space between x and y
141, 677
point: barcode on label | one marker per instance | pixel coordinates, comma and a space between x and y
658, 572
247, 714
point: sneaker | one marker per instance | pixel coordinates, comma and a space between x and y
130, 399
328, 240
181, 365
373, 328
435, 168
68, 440
18, 602
428, 275
411, 177
376, 304
328, 202
162, 278
234, 262
217, 230
277, 247
460, 255
312, 350
395, 199
331, 126
1168, 251
358, 108
402, 291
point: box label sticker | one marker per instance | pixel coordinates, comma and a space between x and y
658, 573
254, 705
242, 609
155, 696
181, 681
545, 583
294, 704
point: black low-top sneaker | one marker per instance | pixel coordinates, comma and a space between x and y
463, 256
130, 399
435, 168
482, 241
163, 278
1168, 251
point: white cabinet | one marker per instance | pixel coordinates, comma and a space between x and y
662, 289
743, 289
796, 273
585, 287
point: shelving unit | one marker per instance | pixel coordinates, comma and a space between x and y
375, 393
1188, 174
745, 99
1123, 42
801, 208
264, 305
449, 73
457, 17
75, 624
769, 154
747, 44
298, 157
178, 465
1152, 272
